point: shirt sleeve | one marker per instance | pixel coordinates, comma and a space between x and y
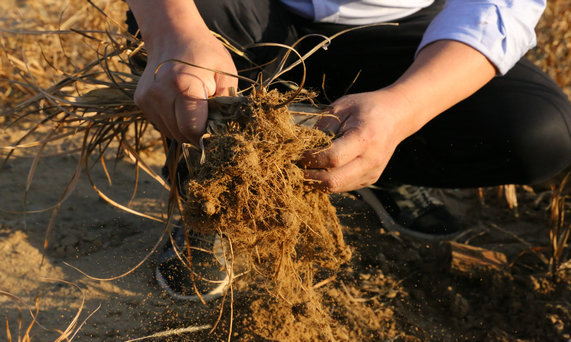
502, 30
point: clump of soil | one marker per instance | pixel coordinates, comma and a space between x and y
250, 189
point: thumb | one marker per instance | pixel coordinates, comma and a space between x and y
226, 85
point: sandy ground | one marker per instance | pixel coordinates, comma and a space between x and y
408, 286
91, 235
393, 289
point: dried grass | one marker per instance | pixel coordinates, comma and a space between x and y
67, 73
39, 44
296, 231
559, 230
553, 51
68, 334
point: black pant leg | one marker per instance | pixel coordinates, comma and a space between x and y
515, 130
379, 54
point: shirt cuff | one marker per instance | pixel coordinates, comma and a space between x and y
503, 31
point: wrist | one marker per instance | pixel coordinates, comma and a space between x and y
443, 74
407, 117
167, 23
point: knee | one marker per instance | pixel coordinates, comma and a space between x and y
541, 146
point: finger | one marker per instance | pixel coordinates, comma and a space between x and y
191, 111
224, 84
188, 109
159, 125
356, 174
150, 107
333, 119
342, 150
328, 122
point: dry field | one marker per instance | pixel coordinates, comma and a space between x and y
87, 288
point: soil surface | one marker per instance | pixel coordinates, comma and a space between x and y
394, 288
491, 284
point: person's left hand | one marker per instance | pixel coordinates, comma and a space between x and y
368, 126
371, 125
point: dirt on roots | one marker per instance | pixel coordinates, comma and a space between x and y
249, 188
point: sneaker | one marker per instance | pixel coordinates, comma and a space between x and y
411, 211
205, 280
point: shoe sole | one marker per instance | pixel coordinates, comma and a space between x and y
217, 292
389, 224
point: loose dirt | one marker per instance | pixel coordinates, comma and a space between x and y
392, 288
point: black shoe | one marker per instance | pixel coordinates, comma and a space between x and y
411, 211
211, 277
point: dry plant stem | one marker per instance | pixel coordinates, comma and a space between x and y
510, 193
530, 248
167, 229
104, 112
26, 336
559, 232
8, 334
174, 60
324, 43
67, 335
84, 321
249, 189
174, 332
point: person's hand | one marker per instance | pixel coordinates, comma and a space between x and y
174, 99
371, 125
368, 127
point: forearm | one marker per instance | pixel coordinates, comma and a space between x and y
443, 74
162, 21
173, 99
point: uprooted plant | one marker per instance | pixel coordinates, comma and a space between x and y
249, 189
244, 184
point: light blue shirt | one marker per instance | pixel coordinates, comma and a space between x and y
355, 12
502, 30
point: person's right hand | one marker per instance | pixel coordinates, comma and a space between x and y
174, 99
